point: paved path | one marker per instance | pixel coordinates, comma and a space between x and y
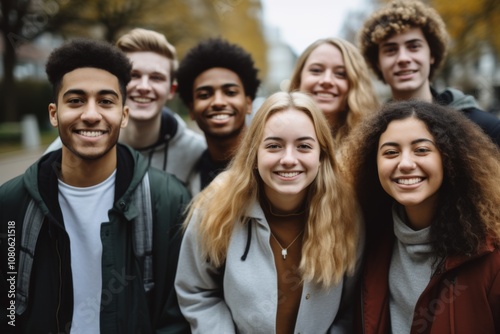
15, 163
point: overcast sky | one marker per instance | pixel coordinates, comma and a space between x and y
301, 22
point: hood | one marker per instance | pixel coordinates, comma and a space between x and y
456, 99
40, 179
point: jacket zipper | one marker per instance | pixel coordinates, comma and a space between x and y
60, 287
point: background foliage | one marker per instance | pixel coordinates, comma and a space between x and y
184, 23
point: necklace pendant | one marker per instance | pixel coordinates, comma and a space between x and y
284, 253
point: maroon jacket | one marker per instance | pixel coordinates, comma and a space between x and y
463, 295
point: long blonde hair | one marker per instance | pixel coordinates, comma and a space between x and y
331, 234
361, 98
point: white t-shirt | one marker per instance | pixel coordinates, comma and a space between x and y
84, 210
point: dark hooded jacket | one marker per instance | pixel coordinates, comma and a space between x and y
35, 251
467, 104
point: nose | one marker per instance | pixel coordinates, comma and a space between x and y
326, 78
219, 100
289, 158
91, 113
406, 162
143, 83
403, 55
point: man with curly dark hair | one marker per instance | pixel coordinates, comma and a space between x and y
92, 229
153, 129
405, 44
218, 83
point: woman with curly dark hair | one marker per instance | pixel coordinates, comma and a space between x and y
427, 180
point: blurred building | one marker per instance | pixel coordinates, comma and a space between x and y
281, 60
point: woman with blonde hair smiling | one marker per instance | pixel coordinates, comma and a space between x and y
272, 244
335, 74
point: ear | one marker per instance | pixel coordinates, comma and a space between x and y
249, 105
53, 115
432, 60
173, 89
124, 117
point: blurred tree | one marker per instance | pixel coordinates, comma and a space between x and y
19, 23
471, 25
352, 23
184, 23
240, 21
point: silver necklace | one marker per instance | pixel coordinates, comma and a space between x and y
284, 251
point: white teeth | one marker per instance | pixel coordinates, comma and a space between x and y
289, 174
325, 95
142, 99
220, 116
409, 181
91, 133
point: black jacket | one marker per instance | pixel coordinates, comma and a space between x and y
466, 103
44, 292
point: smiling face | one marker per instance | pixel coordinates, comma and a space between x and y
150, 86
88, 114
410, 168
288, 157
405, 61
219, 103
324, 76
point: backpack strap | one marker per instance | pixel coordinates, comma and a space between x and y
143, 231
32, 224
142, 242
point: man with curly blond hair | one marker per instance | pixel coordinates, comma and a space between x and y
405, 44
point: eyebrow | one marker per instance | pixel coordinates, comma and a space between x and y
208, 87
413, 142
298, 139
82, 92
405, 42
136, 70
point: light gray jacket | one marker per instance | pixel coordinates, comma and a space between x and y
242, 296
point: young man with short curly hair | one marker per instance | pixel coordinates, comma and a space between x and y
405, 44
95, 227
153, 129
217, 82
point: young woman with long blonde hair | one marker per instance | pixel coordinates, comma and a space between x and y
272, 244
336, 76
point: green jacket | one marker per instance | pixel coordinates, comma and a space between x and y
139, 260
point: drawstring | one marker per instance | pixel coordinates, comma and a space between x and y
249, 240
165, 156
150, 157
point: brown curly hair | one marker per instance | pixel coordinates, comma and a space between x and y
397, 17
469, 198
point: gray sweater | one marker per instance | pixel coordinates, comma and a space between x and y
410, 271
